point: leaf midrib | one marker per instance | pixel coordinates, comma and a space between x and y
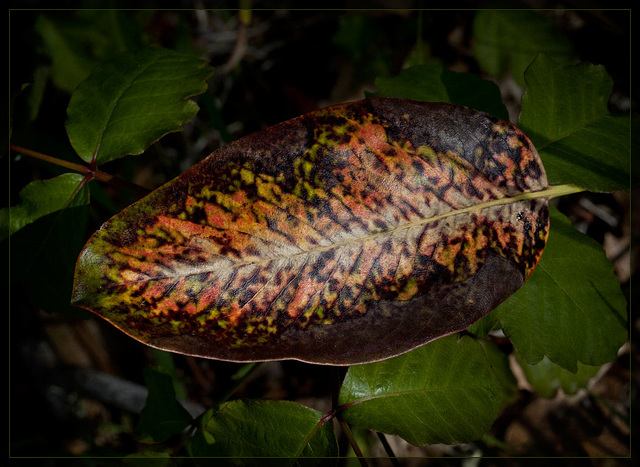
549, 192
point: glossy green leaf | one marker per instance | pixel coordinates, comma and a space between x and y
348, 235
547, 378
162, 416
40, 198
283, 430
564, 111
444, 392
509, 40
133, 100
571, 309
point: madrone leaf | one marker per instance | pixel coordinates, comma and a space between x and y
347, 235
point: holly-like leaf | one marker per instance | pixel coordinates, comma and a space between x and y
290, 432
572, 309
444, 392
133, 100
348, 235
564, 111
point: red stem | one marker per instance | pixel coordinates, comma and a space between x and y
89, 172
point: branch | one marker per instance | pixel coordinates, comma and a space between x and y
89, 173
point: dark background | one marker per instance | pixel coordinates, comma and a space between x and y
292, 62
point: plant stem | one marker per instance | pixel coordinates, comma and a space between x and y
89, 172
562, 190
352, 440
388, 449
53, 160
336, 412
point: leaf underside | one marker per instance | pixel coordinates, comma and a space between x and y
347, 235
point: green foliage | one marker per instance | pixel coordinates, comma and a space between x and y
571, 310
277, 429
76, 44
567, 320
141, 98
507, 41
443, 392
565, 113
547, 378
42, 197
47, 232
434, 83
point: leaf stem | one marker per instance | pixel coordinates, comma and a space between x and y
53, 160
388, 449
89, 172
563, 190
352, 440
336, 412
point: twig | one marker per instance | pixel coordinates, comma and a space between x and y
352, 440
90, 173
388, 449
337, 413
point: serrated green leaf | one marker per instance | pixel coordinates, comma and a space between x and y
500, 363
444, 392
509, 40
596, 157
162, 416
547, 378
571, 309
564, 112
434, 83
267, 429
40, 198
130, 102
560, 100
